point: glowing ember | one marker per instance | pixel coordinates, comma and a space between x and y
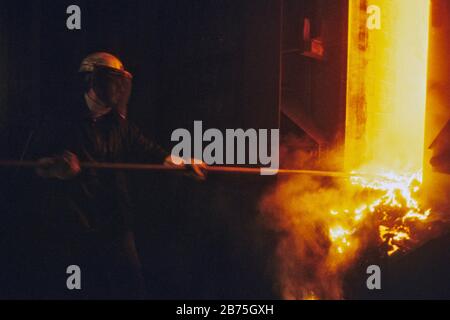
328, 227
397, 207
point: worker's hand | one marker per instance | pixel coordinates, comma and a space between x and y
63, 167
193, 169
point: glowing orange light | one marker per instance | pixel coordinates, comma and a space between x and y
386, 86
328, 227
386, 99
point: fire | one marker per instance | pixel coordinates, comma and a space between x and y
386, 112
397, 207
326, 226
386, 86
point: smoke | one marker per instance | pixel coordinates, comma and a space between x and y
326, 226
299, 209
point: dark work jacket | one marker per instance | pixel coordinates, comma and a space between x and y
50, 224
97, 200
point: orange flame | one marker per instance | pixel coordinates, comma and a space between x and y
398, 195
326, 227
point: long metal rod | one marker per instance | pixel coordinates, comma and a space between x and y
160, 167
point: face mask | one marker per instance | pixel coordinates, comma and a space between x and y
113, 88
95, 105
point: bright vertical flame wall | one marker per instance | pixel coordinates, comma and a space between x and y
386, 85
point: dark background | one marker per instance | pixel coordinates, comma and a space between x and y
229, 63
215, 61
